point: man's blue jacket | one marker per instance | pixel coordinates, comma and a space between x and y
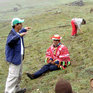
13, 47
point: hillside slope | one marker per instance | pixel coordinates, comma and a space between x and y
38, 40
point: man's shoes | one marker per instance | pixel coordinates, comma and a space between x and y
22, 91
31, 76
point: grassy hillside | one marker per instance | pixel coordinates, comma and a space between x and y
45, 24
27, 8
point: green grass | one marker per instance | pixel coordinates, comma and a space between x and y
44, 25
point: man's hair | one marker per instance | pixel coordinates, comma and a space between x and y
13, 26
84, 21
63, 86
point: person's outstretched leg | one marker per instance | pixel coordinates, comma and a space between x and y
44, 69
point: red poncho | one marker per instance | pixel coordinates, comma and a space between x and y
59, 53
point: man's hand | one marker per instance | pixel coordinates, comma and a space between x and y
50, 61
22, 34
27, 28
53, 63
80, 30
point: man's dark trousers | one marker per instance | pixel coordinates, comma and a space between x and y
45, 68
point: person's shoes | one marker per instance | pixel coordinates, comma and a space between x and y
22, 91
31, 76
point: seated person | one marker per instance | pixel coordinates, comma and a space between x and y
63, 86
57, 57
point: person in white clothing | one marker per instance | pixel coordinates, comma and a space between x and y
76, 24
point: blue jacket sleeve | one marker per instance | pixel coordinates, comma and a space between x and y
12, 39
23, 30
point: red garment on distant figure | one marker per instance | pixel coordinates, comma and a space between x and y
59, 53
74, 28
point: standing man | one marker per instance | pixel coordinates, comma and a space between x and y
14, 55
57, 56
76, 23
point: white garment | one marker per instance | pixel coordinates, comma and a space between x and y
22, 49
78, 22
14, 78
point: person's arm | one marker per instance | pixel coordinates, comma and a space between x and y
49, 58
64, 55
79, 23
12, 39
80, 30
23, 31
